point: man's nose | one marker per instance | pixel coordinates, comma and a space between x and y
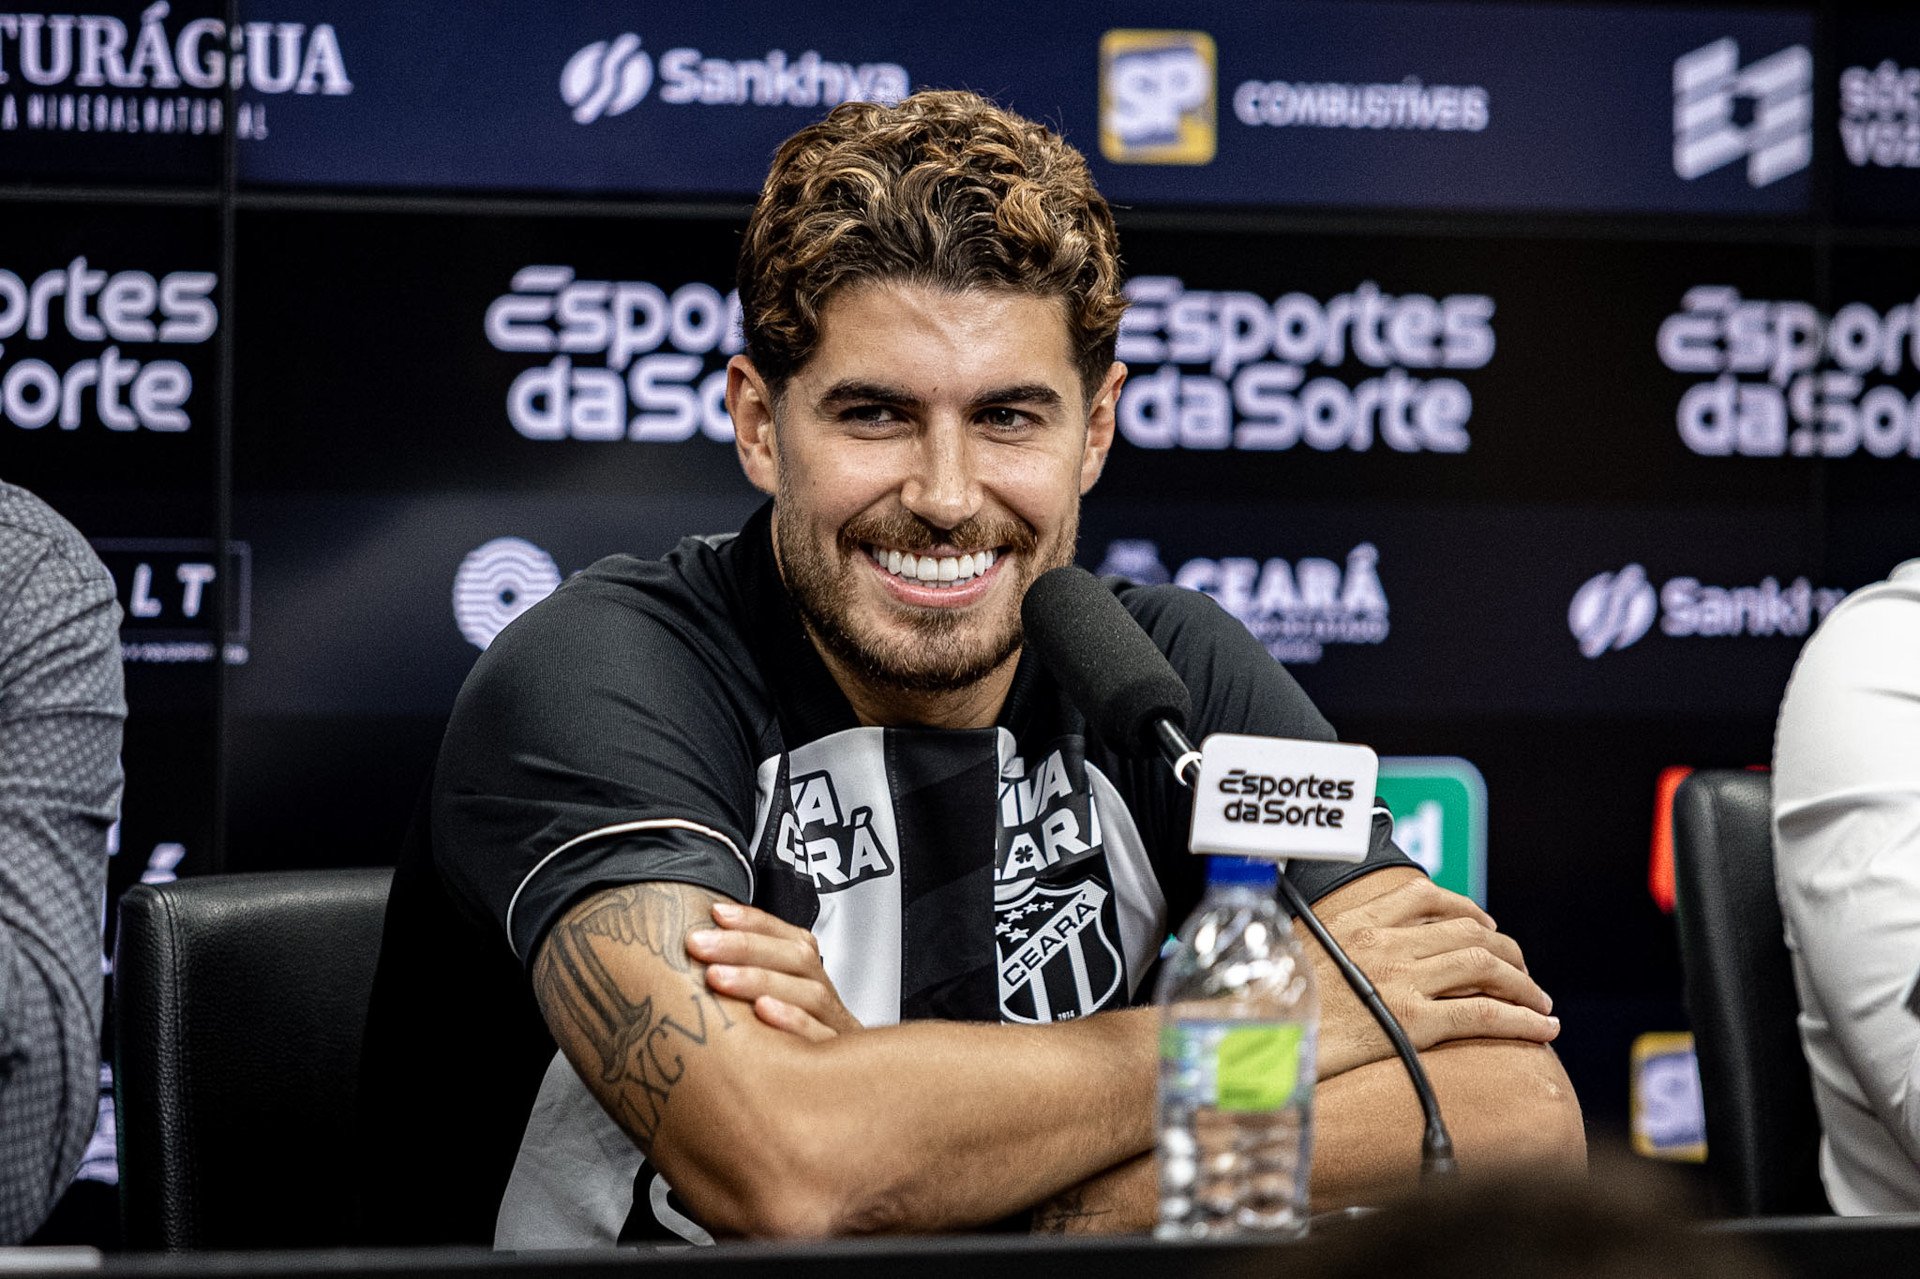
944, 489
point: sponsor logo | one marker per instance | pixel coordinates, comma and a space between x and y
1712, 96
1218, 370
169, 592
80, 303
1294, 608
1791, 381
832, 848
1669, 1116
93, 73
1057, 957
1880, 116
1439, 807
1157, 97
1135, 559
608, 77
1405, 104
611, 77
1047, 816
1660, 884
1268, 797
659, 372
498, 581
1612, 611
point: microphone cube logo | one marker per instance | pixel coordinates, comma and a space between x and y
1158, 92
1612, 610
1280, 798
1723, 112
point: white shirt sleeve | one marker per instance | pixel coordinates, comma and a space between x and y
1847, 856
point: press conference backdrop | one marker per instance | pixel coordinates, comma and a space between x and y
1530, 378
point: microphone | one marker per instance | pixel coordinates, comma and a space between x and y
1125, 687
1132, 696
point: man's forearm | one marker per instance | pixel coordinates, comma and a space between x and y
1506, 1103
960, 1124
1121, 1200
924, 1126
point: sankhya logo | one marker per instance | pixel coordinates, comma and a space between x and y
1710, 86
606, 78
1613, 610
1249, 388
1295, 609
611, 77
496, 583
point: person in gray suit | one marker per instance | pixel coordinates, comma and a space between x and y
61, 713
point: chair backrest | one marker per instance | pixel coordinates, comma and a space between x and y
1763, 1133
239, 1005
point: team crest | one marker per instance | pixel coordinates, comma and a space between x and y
1057, 955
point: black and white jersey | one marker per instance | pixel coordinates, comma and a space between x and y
670, 720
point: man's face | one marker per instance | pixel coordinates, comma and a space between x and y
927, 464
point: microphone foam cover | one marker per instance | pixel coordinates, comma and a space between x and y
1108, 666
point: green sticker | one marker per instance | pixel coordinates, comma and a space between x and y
1258, 1067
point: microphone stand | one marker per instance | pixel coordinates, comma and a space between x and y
1436, 1145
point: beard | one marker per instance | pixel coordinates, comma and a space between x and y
941, 650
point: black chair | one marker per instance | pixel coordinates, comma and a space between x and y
239, 1004
1763, 1133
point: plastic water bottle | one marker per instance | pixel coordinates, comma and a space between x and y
1239, 1014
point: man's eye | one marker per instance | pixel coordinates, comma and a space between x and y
871, 413
1005, 419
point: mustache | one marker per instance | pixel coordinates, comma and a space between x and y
903, 531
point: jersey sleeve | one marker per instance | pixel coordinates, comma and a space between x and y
596, 742
1237, 687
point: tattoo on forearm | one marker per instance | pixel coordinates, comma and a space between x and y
1067, 1213
638, 1044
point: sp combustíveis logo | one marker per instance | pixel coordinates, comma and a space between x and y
1157, 97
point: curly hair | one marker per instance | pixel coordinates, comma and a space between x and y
945, 189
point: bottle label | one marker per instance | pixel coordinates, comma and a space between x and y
1231, 1065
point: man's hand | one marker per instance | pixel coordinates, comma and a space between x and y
773, 965
1436, 959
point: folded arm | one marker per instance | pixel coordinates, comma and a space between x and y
925, 1126
1461, 990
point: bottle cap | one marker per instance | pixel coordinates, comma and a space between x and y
1254, 872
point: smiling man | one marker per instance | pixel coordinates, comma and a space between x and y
770, 888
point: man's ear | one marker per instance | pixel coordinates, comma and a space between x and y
750, 404
1093, 459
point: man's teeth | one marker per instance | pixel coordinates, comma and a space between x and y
936, 570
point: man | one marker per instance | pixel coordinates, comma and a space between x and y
1846, 822
819, 881
61, 712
